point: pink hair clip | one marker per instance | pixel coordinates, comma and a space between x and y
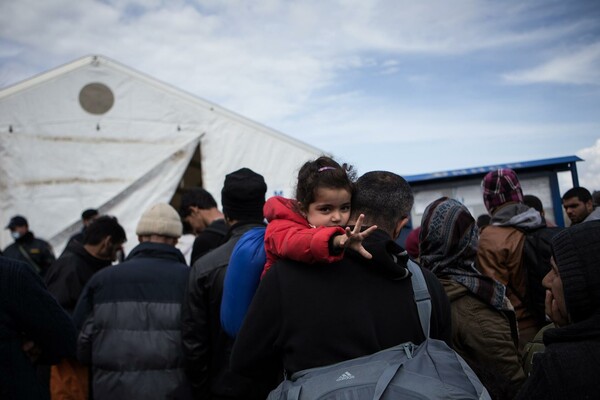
325, 168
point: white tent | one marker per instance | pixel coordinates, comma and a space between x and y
97, 134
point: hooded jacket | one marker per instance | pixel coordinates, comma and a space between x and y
69, 274
500, 256
289, 235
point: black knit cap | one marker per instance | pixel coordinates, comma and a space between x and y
577, 255
243, 195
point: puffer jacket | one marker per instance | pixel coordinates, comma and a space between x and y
129, 321
482, 335
289, 235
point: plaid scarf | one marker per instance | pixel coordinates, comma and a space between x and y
448, 246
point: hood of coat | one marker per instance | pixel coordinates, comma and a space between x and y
278, 207
517, 215
388, 256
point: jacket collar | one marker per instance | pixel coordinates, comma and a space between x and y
388, 257
157, 250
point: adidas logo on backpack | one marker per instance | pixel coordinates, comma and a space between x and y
345, 376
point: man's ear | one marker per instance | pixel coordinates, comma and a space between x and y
106, 242
399, 225
589, 205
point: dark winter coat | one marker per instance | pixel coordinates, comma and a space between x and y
39, 252
310, 315
29, 312
69, 274
569, 368
129, 321
206, 345
210, 238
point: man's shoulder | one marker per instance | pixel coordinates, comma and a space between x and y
40, 243
216, 258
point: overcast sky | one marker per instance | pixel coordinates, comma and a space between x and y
408, 86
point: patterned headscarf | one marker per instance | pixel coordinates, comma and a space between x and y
448, 246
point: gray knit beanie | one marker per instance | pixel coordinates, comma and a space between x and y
577, 255
160, 219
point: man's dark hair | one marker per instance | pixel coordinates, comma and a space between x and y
533, 202
89, 214
580, 192
383, 197
196, 197
102, 227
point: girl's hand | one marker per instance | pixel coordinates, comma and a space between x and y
353, 238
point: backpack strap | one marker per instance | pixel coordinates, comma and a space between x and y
422, 297
32, 263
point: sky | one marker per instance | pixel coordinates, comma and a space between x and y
408, 86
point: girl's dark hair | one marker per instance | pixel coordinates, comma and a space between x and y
323, 172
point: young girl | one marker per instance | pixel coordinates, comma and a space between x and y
311, 228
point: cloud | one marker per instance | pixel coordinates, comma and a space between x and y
366, 73
581, 66
589, 170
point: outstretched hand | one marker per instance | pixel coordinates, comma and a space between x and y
354, 237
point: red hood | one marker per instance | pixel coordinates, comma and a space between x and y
278, 207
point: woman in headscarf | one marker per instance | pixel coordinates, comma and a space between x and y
484, 330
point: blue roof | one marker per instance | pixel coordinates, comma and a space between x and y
560, 163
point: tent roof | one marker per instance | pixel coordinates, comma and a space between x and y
58, 157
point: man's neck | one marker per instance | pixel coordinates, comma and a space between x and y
211, 215
94, 250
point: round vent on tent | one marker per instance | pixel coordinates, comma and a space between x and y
96, 98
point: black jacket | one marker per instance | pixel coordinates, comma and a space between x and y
28, 311
129, 320
70, 272
39, 252
210, 238
206, 346
569, 367
305, 316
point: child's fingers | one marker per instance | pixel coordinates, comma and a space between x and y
368, 231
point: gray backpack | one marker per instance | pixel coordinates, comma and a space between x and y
431, 370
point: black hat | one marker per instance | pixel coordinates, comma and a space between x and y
89, 213
17, 220
243, 195
578, 260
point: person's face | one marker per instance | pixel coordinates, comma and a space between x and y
19, 231
195, 219
330, 208
577, 210
109, 250
555, 306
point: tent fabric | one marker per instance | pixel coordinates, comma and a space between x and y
57, 159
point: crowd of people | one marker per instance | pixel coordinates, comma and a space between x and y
304, 282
